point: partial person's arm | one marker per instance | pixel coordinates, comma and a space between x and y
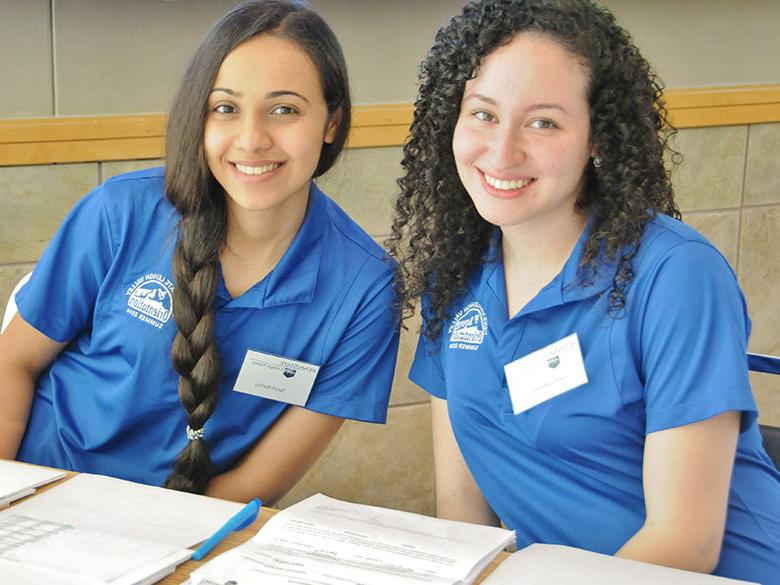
458, 496
276, 462
686, 477
24, 354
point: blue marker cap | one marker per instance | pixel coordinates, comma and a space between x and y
243, 518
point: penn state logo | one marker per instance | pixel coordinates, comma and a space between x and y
150, 299
288, 372
469, 327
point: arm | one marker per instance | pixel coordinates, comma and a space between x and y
24, 354
686, 476
279, 459
458, 496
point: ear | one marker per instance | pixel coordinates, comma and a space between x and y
333, 126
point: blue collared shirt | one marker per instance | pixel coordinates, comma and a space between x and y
569, 470
109, 403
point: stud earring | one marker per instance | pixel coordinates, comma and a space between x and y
596, 162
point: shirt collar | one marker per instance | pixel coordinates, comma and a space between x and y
570, 284
294, 277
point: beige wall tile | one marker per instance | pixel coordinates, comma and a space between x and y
404, 390
33, 202
766, 389
10, 275
25, 66
115, 56
363, 183
759, 273
385, 465
762, 181
710, 176
719, 227
110, 169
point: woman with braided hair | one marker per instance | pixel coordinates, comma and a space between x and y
584, 349
228, 275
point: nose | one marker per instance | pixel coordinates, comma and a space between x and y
507, 149
253, 135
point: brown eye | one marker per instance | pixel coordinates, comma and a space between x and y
283, 111
224, 109
484, 116
543, 124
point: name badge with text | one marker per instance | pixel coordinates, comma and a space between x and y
545, 373
276, 377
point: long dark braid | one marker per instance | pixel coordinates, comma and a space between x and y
200, 201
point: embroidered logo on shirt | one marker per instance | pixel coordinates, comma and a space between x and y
469, 327
150, 299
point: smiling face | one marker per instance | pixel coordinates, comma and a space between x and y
266, 124
521, 143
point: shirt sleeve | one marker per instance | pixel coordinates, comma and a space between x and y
693, 337
355, 380
59, 298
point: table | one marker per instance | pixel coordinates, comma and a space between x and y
183, 571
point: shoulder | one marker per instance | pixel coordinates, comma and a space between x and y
349, 243
667, 241
134, 194
146, 183
679, 267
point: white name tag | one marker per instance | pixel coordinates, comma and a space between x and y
276, 377
545, 373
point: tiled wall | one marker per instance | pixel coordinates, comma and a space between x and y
728, 188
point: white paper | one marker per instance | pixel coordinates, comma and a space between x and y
20, 479
100, 530
107, 504
548, 564
324, 541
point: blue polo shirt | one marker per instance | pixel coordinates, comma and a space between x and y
109, 404
569, 470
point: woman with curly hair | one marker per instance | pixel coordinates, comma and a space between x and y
584, 349
209, 326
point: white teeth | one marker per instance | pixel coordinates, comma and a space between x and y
506, 185
257, 170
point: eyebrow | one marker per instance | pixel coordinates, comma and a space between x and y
493, 102
269, 95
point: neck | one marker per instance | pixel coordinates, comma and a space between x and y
534, 254
544, 246
256, 241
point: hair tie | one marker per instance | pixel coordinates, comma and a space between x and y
193, 435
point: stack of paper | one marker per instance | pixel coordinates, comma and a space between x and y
550, 564
19, 479
98, 530
324, 541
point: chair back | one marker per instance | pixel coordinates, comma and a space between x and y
768, 364
10, 308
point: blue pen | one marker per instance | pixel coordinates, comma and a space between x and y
243, 518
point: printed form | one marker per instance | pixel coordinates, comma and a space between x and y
324, 541
99, 530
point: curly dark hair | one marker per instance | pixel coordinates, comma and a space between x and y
438, 237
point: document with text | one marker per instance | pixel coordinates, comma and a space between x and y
97, 530
323, 541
